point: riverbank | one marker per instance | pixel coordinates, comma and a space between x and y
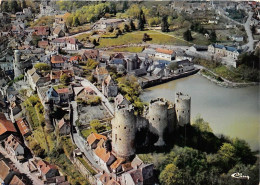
150, 81
213, 77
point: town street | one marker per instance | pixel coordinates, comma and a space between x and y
22, 167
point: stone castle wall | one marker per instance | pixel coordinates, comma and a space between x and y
123, 133
183, 105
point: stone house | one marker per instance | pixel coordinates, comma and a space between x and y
47, 170
27, 12
64, 127
43, 31
59, 43
121, 101
184, 66
90, 54
43, 44
57, 61
56, 74
14, 147
72, 44
224, 51
58, 32
52, 96
104, 23
165, 54
109, 87
64, 95
34, 79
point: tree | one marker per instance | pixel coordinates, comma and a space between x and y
94, 42
75, 21
187, 35
132, 25
125, 6
146, 37
64, 79
95, 124
13, 6
4, 6
110, 29
126, 28
202, 125
141, 21
213, 36
170, 175
42, 66
165, 24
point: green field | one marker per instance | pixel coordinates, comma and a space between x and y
137, 36
129, 49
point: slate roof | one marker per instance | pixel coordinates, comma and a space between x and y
228, 48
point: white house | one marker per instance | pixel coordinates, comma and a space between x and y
237, 38
166, 54
184, 66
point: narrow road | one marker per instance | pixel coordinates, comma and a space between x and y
80, 142
22, 167
251, 41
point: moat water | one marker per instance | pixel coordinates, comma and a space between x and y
233, 112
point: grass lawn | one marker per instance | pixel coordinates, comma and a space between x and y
229, 74
82, 28
136, 38
129, 49
86, 132
198, 38
83, 36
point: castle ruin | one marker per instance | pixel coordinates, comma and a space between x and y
161, 117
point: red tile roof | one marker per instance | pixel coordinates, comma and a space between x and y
42, 30
102, 153
4, 170
62, 91
57, 59
93, 137
6, 125
43, 43
72, 40
91, 53
45, 167
16, 181
75, 58
165, 51
57, 74
23, 126
117, 163
112, 182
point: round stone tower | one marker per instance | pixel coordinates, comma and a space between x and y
17, 63
123, 133
182, 106
158, 118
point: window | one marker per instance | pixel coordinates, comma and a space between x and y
125, 128
159, 119
116, 137
182, 111
153, 118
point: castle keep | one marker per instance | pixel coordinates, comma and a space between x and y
161, 117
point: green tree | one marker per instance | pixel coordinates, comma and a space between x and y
125, 6
165, 24
4, 6
170, 175
141, 21
187, 35
95, 124
75, 21
13, 6
94, 42
64, 79
126, 28
201, 125
213, 36
42, 66
132, 25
